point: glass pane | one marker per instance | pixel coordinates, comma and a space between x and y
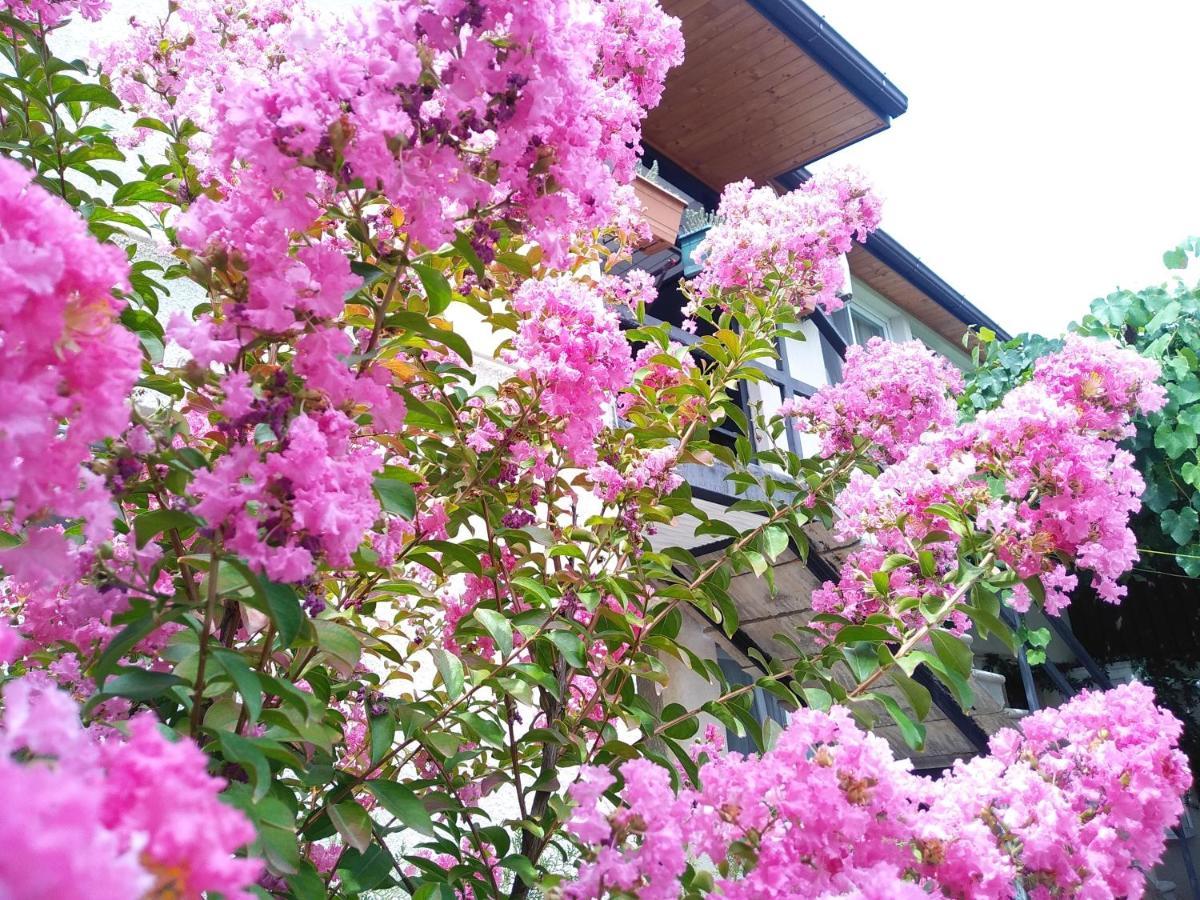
865, 329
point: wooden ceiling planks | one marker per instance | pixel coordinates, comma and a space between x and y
887, 282
747, 101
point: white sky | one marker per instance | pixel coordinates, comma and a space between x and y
1051, 148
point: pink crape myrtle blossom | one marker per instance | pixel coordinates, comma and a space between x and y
1106, 382
797, 238
1076, 803
121, 815
569, 345
1080, 797
652, 812
891, 393
281, 509
1041, 473
173, 68
537, 110
66, 365
653, 470
48, 13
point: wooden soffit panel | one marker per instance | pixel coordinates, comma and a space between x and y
747, 101
889, 284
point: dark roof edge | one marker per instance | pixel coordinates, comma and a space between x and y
819, 40
893, 254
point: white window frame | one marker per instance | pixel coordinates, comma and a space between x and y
879, 321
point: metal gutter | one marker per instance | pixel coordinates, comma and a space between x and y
836, 55
892, 253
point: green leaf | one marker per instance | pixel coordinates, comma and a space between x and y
403, 804
152, 523
245, 679
913, 734
152, 123
817, 698
120, 645
437, 288
1181, 525
953, 652
245, 753
341, 644
1175, 441
522, 866
775, 541
916, 694
396, 496
1175, 259
451, 669
457, 553
928, 564
141, 684
95, 94
571, 646
462, 243
285, 611
489, 732
140, 192
851, 634
498, 627
881, 583
685, 728
307, 884
896, 561
383, 734
861, 659
352, 823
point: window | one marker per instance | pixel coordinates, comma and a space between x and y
865, 326
856, 325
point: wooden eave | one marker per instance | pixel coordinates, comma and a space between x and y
748, 101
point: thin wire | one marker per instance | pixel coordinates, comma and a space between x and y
1167, 553
1168, 574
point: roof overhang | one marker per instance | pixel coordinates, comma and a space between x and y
888, 268
766, 86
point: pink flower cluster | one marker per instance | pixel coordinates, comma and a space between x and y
124, 816
1105, 382
174, 68
66, 365
1075, 804
651, 812
792, 243
462, 115
48, 13
569, 346
530, 110
1041, 473
652, 470
1082, 797
59, 602
855, 596
282, 508
890, 395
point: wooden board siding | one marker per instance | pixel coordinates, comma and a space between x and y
889, 284
747, 101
